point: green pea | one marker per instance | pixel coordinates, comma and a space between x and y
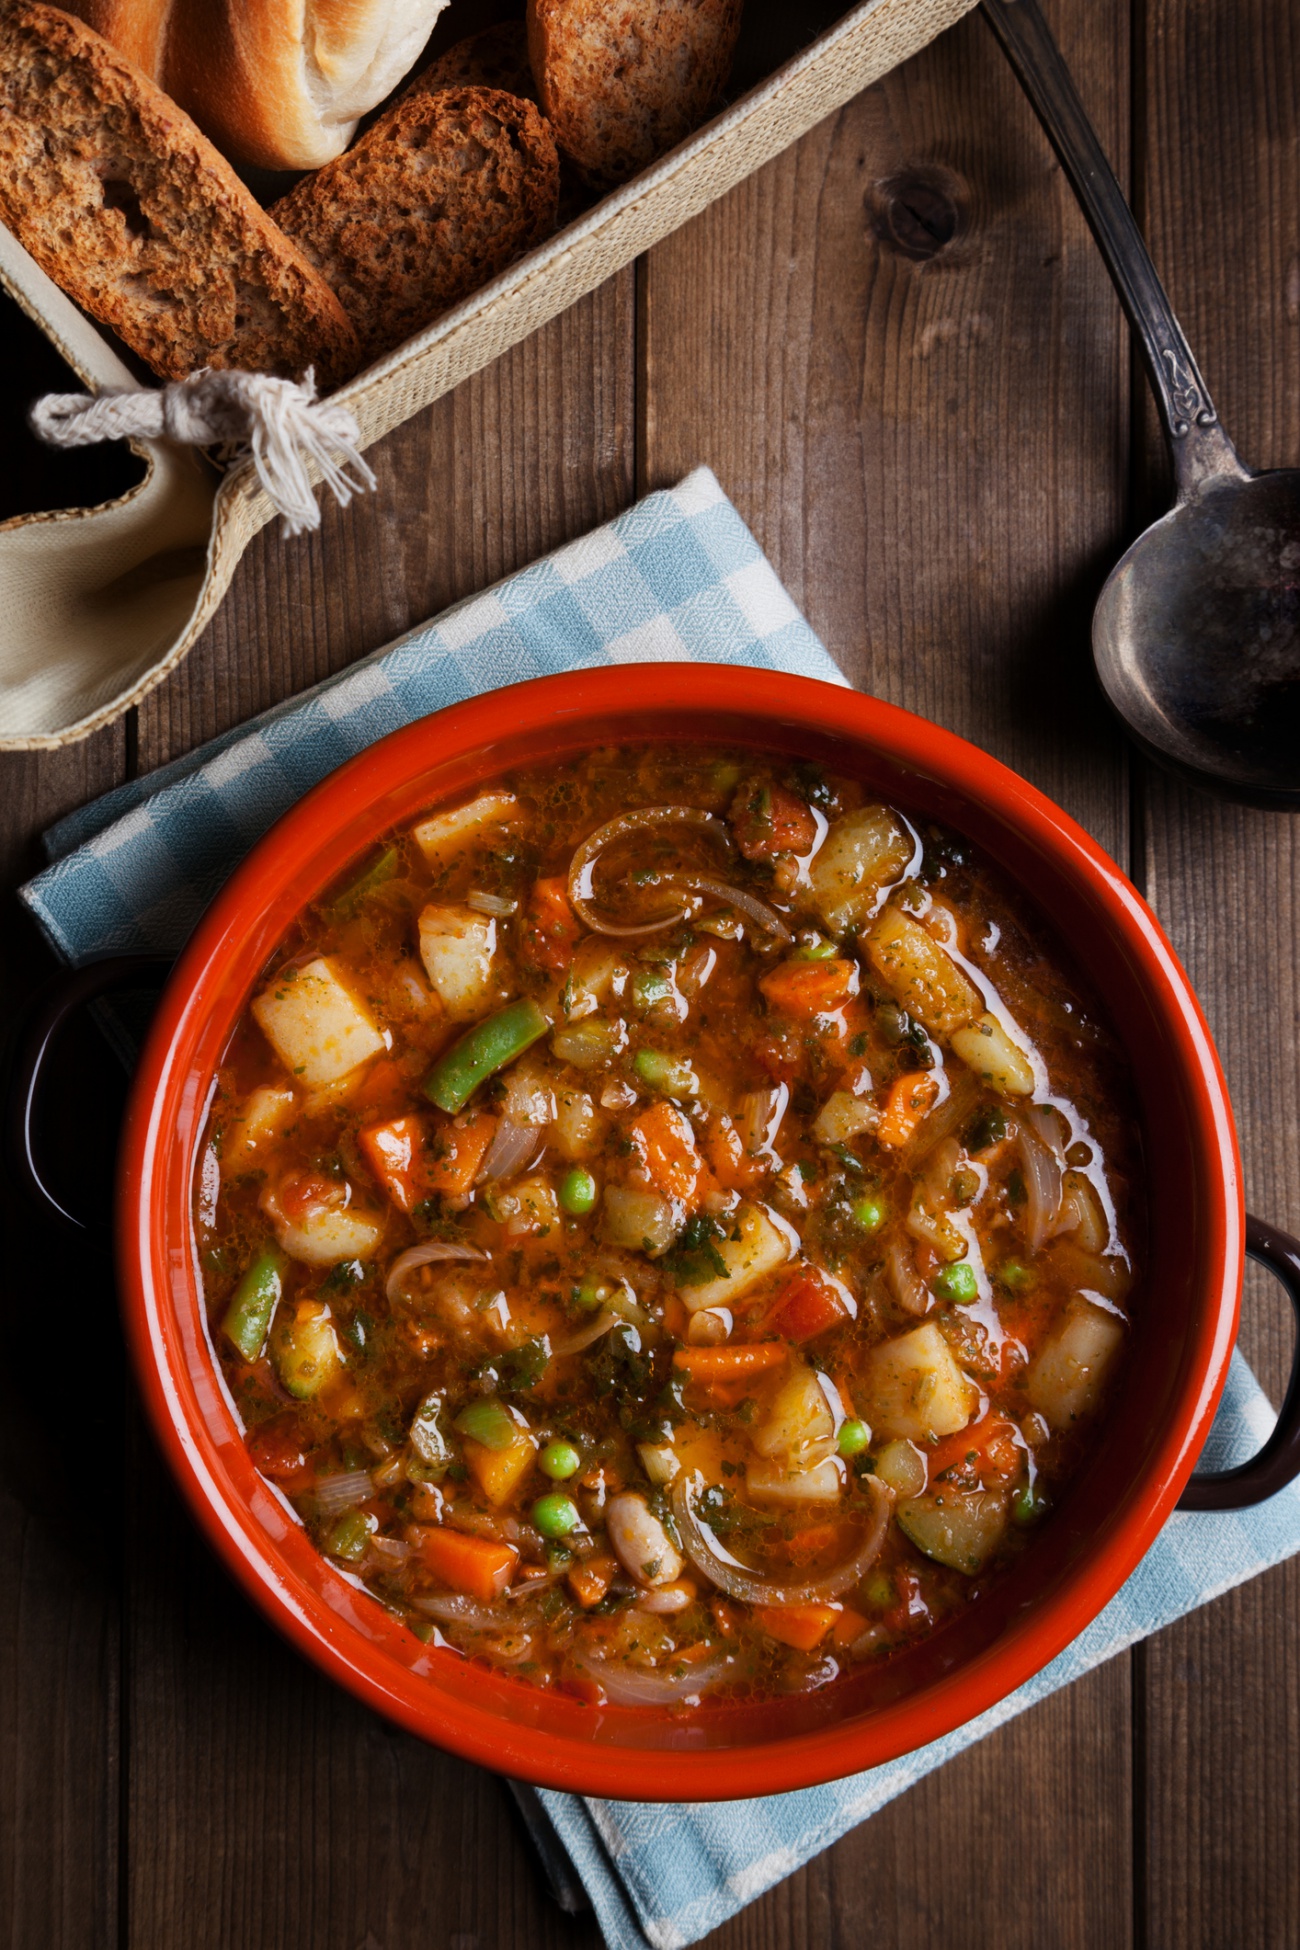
1013, 1276
853, 1438
556, 1515
577, 1192
870, 1213
1028, 1504
559, 1460
957, 1283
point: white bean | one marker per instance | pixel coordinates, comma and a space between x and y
668, 1598
640, 1542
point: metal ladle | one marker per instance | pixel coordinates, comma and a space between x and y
1196, 635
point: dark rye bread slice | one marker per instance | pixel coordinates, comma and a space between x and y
120, 199
439, 196
496, 58
621, 82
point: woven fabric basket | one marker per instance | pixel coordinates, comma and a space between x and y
98, 605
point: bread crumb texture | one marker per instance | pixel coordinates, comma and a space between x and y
496, 58
442, 194
125, 204
621, 82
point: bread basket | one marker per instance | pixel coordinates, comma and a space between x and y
97, 605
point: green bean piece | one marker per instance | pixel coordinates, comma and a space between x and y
668, 1074
366, 882
1028, 1504
556, 1515
350, 1535
957, 1283
650, 985
852, 1438
488, 1422
577, 1192
559, 1460
484, 1050
247, 1320
821, 950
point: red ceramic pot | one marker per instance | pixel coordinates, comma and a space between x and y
1186, 1314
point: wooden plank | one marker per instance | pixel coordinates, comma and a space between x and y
933, 452
1221, 201
264, 1805
59, 1612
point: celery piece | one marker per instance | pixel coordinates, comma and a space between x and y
669, 1074
486, 1421
484, 1050
349, 1537
247, 1319
366, 882
650, 985
428, 1440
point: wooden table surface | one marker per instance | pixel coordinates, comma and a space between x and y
942, 445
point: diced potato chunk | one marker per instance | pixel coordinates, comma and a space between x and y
445, 834
264, 1114
960, 1528
578, 1128
843, 1117
863, 853
324, 1234
528, 1206
1065, 1377
305, 1348
659, 1461
902, 1468
985, 1047
644, 1222
315, 1024
774, 1482
498, 1472
756, 1248
923, 976
799, 1420
915, 1388
456, 947
596, 973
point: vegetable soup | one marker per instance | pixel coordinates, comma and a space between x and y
668, 1225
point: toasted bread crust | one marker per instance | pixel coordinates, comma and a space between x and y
439, 196
117, 195
496, 58
621, 83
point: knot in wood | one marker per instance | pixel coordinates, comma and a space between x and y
918, 212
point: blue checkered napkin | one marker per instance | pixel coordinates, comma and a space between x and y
678, 576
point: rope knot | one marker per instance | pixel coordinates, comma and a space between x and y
278, 424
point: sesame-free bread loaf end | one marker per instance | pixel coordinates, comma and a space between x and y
125, 204
621, 83
443, 193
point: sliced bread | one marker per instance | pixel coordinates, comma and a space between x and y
621, 82
123, 202
439, 196
496, 58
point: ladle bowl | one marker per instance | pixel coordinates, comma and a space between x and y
1196, 635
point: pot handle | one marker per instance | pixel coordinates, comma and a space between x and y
67, 992
1278, 1462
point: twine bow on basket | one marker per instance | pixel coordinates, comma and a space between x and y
278, 424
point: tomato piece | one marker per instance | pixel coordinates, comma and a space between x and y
393, 1152
732, 1166
807, 1305
910, 1099
550, 931
280, 1450
768, 819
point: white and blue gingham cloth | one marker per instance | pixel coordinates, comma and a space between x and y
678, 576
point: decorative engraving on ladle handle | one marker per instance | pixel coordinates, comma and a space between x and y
1199, 446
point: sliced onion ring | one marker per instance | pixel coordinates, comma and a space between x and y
625, 1685
758, 911
754, 1589
424, 1255
453, 1609
512, 1147
586, 1335
582, 867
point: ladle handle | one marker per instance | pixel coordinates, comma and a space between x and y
1199, 447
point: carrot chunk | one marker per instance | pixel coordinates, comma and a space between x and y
732, 1166
726, 1374
666, 1142
456, 1150
807, 1305
478, 1566
802, 1626
550, 931
989, 1444
810, 988
393, 1153
591, 1579
911, 1098
848, 1626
